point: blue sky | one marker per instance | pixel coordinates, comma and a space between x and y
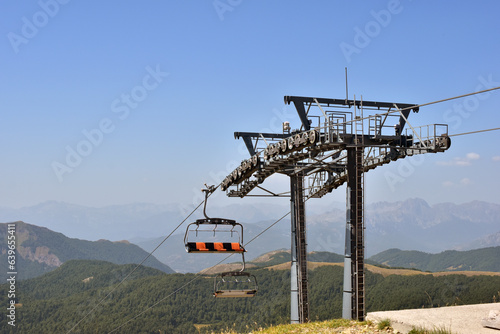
150, 93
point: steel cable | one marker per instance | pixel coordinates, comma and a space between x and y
197, 275
133, 270
258, 235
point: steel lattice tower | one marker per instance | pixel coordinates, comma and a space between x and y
335, 144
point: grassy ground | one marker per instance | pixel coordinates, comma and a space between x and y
342, 326
329, 326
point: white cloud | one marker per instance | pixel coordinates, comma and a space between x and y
454, 162
472, 156
496, 158
465, 181
460, 161
462, 183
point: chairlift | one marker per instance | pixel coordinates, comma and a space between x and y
214, 235
220, 235
235, 284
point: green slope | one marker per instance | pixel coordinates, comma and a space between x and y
325, 257
484, 259
283, 256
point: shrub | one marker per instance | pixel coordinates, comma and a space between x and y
384, 324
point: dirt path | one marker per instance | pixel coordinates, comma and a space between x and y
464, 319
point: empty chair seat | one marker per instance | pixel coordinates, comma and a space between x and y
235, 293
235, 284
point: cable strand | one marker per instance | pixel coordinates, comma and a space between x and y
133, 270
197, 275
204, 202
472, 132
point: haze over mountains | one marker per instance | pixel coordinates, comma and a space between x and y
408, 225
128, 221
415, 225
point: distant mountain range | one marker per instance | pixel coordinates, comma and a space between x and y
412, 224
40, 250
490, 240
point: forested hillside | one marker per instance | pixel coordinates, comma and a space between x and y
55, 302
484, 259
40, 250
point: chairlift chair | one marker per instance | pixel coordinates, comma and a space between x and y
235, 284
226, 236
